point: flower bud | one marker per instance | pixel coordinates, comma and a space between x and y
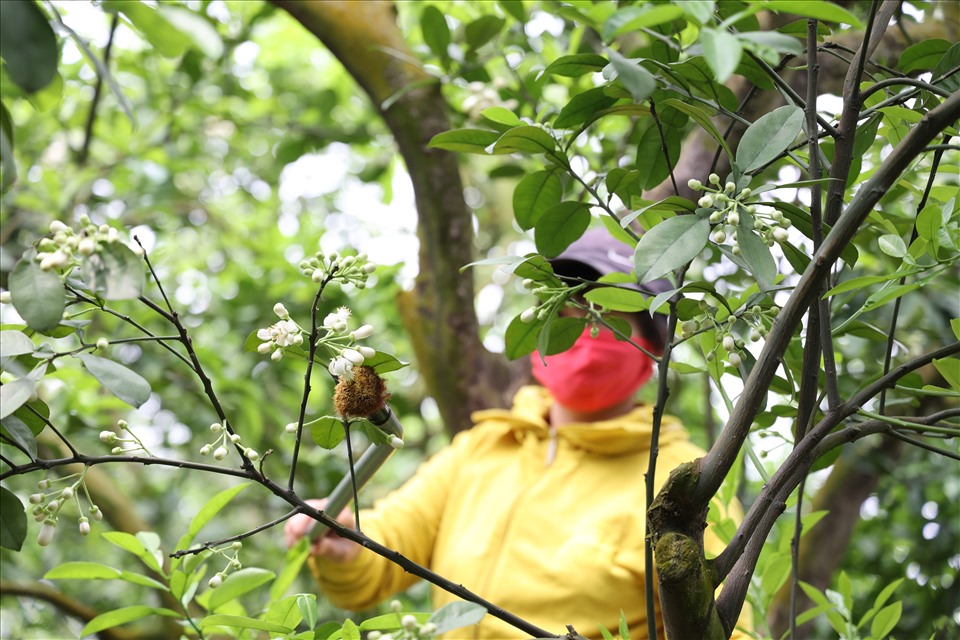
729, 343
719, 236
265, 348
362, 333
528, 315
714, 178
96, 513
102, 343
220, 453
84, 527
754, 335
67, 493
369, 268
396, 606
45, 536
696, 185
277, 355
6, 297
116, 451
108, 437
56, 227
234, 438
205, 450
689, 327
729, 187
428, 629
746, 193
291, 427
281, 311
36, 498
253, 454
122, 424
215, 581
715, 217
317, 275
706, 202
87, 246
780, 234
353, 356
733, 218
734, 360
367, 352
594, 331
408, 621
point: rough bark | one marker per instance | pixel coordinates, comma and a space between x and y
439, 313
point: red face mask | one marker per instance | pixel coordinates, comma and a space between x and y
595, 373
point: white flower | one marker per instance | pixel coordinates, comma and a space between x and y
54, 260
337, 321
362, 333
279, 335
341, 367
281, 311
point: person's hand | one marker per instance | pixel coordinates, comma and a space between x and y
329, 546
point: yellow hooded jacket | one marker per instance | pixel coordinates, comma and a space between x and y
549, 525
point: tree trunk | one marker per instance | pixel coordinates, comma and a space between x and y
460, 374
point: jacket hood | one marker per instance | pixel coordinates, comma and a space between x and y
628, 433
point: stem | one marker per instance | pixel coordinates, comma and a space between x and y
239, 536
353, 475
663, 392
97, 88
663, 146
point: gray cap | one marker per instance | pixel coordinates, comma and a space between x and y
601, 253
604, 254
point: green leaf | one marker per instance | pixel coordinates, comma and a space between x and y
582, 107
134, 545
949, 368
167, 40
13, 520
124, 615
15, 343
651, 159
242, 622
775, 572
702, 118
699, 10
637, 80
514, 8
15, 429
777, 41
923, 56
284, 612
533, 195
464, 140
142, 580
527, 138
669, 245
455, 615
38, 295
8, 163
115, 272
200, 31
756, 255
237, 584
390, 621
885, 593
722, 52
949, 60
768, 137
350, 631
501, 115
559, 226
435, 31
384, 363
826, 11
327, 432
307, 603
15, 394
127, 385
520, 338
296, 557
630, 19
482, 30
574, 66
27, 45
559, 334
929, 222
617, 299
206, 513
885, 620
82, 571
893, 245
32, 414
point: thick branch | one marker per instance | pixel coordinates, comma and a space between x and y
724, 453
64, 603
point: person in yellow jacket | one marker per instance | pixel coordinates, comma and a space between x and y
540, 508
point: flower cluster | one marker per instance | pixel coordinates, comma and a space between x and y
551, 299
219, 447
50, 500
111, 437
61, 249
280, 335
341, 342
347, 269
233, 563
756, 317
728, 206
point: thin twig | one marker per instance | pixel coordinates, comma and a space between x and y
239, 536
95, 101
